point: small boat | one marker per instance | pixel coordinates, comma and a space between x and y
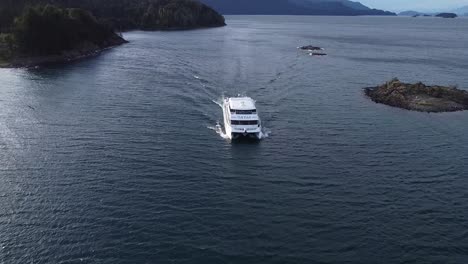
241, 118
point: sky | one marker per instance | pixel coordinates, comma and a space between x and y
418, 5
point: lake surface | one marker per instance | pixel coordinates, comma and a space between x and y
116, 159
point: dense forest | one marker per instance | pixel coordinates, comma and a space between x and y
127, 14
49, 29
45, 27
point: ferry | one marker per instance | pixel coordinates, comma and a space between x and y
241, 118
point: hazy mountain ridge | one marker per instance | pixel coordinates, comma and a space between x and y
461, 11
348, 3
410, 13
293, 7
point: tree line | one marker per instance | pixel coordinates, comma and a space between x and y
126, 14
52, 26
49, 29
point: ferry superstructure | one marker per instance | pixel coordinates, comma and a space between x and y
241, 118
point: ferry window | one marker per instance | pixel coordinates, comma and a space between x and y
245, 112
244, 122
248, 122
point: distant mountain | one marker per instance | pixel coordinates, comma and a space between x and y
447, 15
293, 7
355, 5
462, 11
336, 7
347, 3
410, 13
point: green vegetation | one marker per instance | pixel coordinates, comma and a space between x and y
6, 46
154, 14
44, 34
127, 14
71, 28
178, 14
48, 30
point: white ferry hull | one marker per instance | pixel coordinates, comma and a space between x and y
235, 132
254, 136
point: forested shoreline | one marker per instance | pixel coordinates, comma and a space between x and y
67, 29
126, 14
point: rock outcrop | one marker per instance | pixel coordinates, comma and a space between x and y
313, 50
419, 97
310, 48
447, 15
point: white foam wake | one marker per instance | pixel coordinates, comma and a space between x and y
219, 101
219, 130
265, 133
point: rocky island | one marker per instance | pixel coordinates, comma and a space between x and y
419, 14
310, 48
35, 32
313, 50
447, 15
419, 97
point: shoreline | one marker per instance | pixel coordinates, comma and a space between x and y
90, 50
169, 29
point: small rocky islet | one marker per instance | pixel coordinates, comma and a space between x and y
419, 97
447, 15
313, 50
442, 15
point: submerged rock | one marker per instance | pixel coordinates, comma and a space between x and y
313, 50
419, 97
310, 48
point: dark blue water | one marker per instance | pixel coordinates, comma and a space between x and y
112, 159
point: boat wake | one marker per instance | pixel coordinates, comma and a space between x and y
219, 102
265, 132
201, 80
219, 130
